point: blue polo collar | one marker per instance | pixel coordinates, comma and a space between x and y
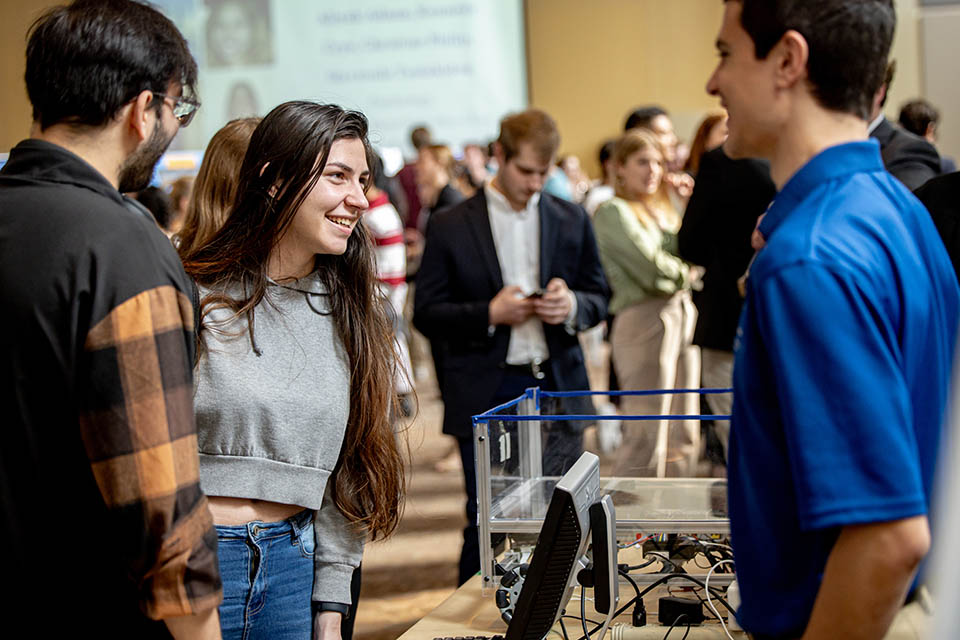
832, 163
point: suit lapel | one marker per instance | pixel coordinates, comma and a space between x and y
549, 227
883, 132
479, 222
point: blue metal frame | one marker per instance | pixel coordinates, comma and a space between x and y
535, 394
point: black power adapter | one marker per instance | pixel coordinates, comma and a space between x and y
672, 608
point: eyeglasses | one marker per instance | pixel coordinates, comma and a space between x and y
183, 108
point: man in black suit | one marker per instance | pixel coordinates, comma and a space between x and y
728, 197
911, 159
508, 278
941, 197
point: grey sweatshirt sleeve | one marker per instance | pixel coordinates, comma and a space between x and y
339, 549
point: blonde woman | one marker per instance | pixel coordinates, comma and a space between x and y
655, 317
215, 188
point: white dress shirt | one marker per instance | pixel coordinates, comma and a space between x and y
516, 236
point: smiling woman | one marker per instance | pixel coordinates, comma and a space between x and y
294, 382
325, 220
653, 330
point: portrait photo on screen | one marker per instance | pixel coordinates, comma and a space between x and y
238, 33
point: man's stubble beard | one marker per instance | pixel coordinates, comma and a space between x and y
137, 169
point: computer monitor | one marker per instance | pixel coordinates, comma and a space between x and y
575, 507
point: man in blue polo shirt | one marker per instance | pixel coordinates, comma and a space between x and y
847, 336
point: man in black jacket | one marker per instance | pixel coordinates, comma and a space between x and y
941, 196
100, 445
508, 278
727, 199
911, 159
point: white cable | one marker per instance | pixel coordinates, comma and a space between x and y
714, 544
710, 602
707, 543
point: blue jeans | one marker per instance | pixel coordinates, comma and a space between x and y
267, 572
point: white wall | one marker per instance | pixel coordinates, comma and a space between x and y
940, 76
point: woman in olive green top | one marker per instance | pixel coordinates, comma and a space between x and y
655, 317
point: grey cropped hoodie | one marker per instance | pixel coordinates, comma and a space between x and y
272, 412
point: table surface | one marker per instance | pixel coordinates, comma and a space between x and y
468, 613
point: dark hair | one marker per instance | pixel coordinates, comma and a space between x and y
606, 151
286, 155
420, 137
378, 176
848, 41
532, 126
88, 59
604, 155
917, 115
641, 117
159, 205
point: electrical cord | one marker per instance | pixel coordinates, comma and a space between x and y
663, 558
713, 608
702, 602
651, 587
638, 612
675, 621
644, 565
685, 576
695, 591
705, 546
563, 627
707, 543
621, 547
583, 614
713, 559
616, 613
626, 574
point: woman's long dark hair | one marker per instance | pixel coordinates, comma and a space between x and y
286, 156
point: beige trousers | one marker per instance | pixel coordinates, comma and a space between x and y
653, 349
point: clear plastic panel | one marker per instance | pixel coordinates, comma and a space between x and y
522, 452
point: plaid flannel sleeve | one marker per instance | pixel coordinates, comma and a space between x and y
139, 433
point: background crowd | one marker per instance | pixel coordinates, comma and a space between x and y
673, 221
